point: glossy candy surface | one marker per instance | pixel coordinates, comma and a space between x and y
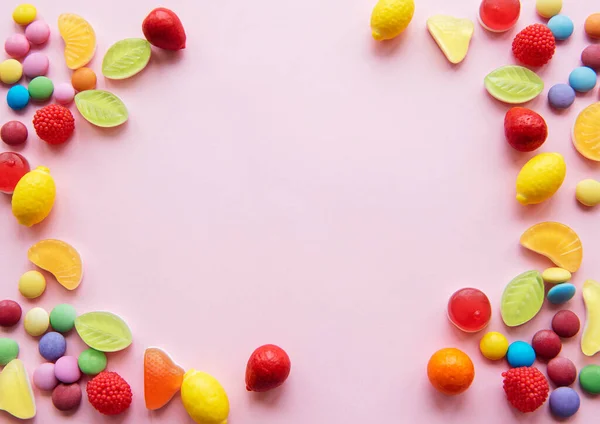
469, 309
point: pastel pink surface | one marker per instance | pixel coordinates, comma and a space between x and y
287, 180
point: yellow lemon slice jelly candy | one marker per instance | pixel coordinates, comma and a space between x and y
586, 132
60, 259
452, 35
590, 341
557, 242
80, 40
16, 396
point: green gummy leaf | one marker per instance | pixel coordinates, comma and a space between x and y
101, 108
126, 58
522, 299
513, 84
103, 331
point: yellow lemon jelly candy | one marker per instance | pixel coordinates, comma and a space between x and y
390, 18
33, 197
586, 132
590, 341
540, 178
452, 35
204, 398
80, 40
16, 396
60, 259
557, 242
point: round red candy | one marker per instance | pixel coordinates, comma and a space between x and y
14, 133
469, 309
10, 313
565, 323
12, 168
66, 397
562, 372
547, 344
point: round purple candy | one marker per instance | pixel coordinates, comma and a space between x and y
16, 46
66, 370
590, 57
44, 378
64, 93
564, 402
36, 65
52, 346
561, 96
37, 32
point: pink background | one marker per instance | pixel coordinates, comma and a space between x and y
287, 180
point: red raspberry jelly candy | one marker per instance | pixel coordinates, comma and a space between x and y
565, 323
469, 309
499, 15
12, 168
547, 344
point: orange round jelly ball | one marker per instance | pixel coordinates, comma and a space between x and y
450, 371
83, 79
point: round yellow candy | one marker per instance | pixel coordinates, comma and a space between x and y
36, 322
493, 346
32, 284
24, 14
11, 71
548, 8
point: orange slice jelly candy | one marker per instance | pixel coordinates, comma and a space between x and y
162, 378
60, 259
557, 242
586, 132
80, 40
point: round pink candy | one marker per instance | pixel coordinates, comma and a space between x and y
44, 378
66, 369
36, 65
64, 93
37, 32
16, 45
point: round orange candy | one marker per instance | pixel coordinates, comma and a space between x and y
83, 79
592, 25
450, 371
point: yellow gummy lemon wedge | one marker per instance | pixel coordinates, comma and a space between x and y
60, 259
557, 242
540, 178
80, 40
586, 132
390, 18
452, 35
33, 197
590, 341
204, 398
16, 396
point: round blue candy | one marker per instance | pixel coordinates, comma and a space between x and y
561, 26
561, 96
582, 79
564, 402
17, 97
52, 346
561, 293
520, 354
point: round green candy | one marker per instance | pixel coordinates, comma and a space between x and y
92, 361
589, 378
41, 88
62, 318
9, 350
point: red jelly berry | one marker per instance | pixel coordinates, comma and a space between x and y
54, 124
526, 388
525, 130
562, 372
499, 15
534, 46
14, 133
469, 309
547, 344
268, 368
10, 313
109, 393
565, 323
12, 168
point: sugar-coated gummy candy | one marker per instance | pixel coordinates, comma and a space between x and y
52, 346
469, 309
35, 65
32, 284
562, 371
561, 293
565, 323
84, 79
520, 354
564, 402
590, 56
64, 93
37, 32
499, 15
41, 88
62, 318
592, 25
548, 8
17, 97
546, 344
92, 361
36, 322
14, 133
11, 71
66, 397
24, 14
561, 26
44, 378
17, 46
589, 379
67, 370
582, 79
493, 346
10, 313
9, 350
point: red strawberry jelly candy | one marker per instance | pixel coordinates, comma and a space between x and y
163, 29
12, 168
526, 388
469, 309
268, 367
524, 129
